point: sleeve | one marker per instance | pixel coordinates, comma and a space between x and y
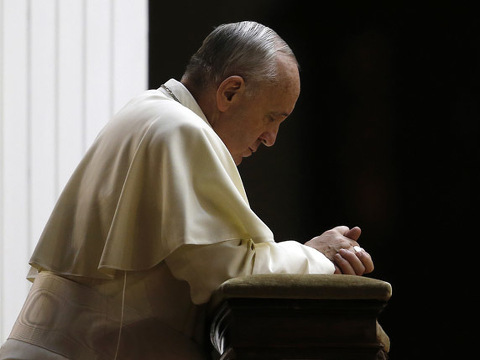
205, 267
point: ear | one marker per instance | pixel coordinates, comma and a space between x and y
229, 91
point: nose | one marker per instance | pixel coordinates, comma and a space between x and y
268, 137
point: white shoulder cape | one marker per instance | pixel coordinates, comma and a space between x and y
156, 178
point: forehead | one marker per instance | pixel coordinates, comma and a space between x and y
288, 75
284, 94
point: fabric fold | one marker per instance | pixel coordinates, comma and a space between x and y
157, 177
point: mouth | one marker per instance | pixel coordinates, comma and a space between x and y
247, 153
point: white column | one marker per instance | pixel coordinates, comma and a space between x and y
65, 67
15, 163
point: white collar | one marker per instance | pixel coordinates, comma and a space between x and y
184, 97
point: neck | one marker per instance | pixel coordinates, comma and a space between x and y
205, 99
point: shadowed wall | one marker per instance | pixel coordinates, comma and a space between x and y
385, 135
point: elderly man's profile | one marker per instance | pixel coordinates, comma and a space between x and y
155, 216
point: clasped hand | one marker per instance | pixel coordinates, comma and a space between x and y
341, 247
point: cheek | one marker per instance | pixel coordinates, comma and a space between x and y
241, 142
246, 132
236, 141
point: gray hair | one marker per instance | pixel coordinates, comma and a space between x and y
246, 48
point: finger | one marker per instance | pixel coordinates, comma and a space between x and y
337, 270
366, 260
354, 233
343, 265
354, 261
341, 229
349, 241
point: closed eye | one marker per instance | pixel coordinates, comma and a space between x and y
278, 116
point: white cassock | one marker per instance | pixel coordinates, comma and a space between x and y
152, 221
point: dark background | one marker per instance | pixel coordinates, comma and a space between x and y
385, 136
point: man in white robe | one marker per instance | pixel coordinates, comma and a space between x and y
155, 217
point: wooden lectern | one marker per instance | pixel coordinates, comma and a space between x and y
284, 316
